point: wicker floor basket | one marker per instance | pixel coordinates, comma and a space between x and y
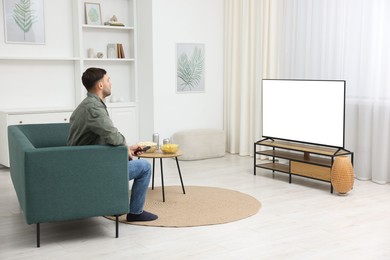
342, 174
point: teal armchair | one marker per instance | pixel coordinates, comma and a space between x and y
56, 182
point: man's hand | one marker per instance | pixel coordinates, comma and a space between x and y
134, 150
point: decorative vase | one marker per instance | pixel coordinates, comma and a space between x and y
342, 177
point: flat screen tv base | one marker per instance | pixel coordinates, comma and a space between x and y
304, 160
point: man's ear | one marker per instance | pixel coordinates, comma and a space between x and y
100, 85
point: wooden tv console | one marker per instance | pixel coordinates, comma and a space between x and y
310, 161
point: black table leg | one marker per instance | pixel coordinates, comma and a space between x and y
162, 179
181, 179
153, 176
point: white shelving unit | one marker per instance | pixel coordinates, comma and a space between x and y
49, 75
123, 72
108, 27
5, 58
122, 104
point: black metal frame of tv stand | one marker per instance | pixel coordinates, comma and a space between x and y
283, 150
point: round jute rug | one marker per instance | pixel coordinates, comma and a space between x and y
198, 207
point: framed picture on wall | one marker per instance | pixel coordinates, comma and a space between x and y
190, 67
24, 21
93, 14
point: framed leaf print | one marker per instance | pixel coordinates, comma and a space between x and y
93, 14
24, 21
190, 67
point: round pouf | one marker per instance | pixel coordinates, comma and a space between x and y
342, 177
198, 144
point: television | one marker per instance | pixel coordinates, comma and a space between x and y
306, 111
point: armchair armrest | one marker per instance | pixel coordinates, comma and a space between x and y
73, 182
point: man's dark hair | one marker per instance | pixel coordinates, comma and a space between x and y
91, 76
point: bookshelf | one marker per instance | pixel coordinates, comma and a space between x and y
97, 37
122, 104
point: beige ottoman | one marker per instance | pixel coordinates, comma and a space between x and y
200, 144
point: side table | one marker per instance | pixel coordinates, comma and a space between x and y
158, 154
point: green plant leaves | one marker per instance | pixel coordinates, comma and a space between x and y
93, 15
190, 71
24, 15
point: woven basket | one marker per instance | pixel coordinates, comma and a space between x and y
342, 177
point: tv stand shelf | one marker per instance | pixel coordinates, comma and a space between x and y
304, 160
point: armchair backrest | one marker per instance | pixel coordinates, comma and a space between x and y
46, 135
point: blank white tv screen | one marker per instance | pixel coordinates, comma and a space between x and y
308, 111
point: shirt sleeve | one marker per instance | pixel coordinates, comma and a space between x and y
100, 123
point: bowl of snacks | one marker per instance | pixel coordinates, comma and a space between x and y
153, 146
169, 148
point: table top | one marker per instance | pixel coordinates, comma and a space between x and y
160, 154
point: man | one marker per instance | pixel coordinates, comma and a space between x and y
90, 124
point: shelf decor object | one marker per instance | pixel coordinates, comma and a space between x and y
111, 51
342, 176
114, 22
93, 14
24, 22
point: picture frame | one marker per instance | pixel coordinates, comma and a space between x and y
190, 67
112, 51
93, 14
24, 21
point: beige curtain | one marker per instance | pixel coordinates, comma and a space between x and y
242, 74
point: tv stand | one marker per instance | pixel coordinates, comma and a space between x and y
304, 160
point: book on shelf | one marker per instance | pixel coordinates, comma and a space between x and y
121, 53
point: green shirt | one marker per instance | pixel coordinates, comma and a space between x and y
90, 124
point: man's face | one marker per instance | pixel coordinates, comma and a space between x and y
106, 86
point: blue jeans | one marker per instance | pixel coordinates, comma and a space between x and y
139, 171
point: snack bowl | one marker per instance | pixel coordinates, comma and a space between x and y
153, 146
169, 148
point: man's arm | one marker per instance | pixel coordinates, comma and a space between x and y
101, 124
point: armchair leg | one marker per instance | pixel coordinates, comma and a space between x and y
116, 226
38, 235
39, 231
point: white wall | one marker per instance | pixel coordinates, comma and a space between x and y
187, 21
31, 83
145, 69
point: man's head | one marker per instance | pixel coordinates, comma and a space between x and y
97, 81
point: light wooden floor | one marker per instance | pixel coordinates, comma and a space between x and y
297, 221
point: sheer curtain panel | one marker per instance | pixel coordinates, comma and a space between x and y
242, 75
309, 39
